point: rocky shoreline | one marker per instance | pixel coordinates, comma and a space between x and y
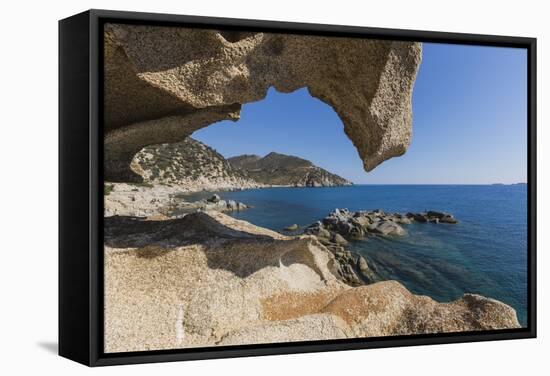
357, 225
148, 199
340, 226
159, 201
207, 279
334, 231
224, 281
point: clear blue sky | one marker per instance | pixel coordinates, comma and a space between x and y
469, 124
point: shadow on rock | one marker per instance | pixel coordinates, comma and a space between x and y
236, 250
136, 232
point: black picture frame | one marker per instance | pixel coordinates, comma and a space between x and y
81, 187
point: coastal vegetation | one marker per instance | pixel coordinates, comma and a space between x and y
286, 170
194, 166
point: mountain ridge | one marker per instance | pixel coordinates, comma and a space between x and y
196, 166
189, 164
287, 170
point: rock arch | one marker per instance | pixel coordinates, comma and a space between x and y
163, 83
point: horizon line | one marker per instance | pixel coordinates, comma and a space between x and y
518, 183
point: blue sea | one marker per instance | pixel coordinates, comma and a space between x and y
486, 253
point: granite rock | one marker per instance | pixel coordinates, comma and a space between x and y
207, 279
164, 83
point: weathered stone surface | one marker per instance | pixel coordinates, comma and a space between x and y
387, 227
355, 225
318, 230
163, 83
208, 279
388, 308
313, 327
432, 217
192, 281
338, 239
125, 199
341, 225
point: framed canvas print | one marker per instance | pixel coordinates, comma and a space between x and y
238, 187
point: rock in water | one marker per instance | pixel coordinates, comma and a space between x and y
422, 218
317, 230
214, 198
436, 214
448, 219
441, 217
241, 206
354, 225
387, 228
432, 216
232, 205
338, 239
293, 227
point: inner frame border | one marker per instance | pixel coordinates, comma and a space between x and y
100, 17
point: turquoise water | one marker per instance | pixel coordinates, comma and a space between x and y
486, 253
